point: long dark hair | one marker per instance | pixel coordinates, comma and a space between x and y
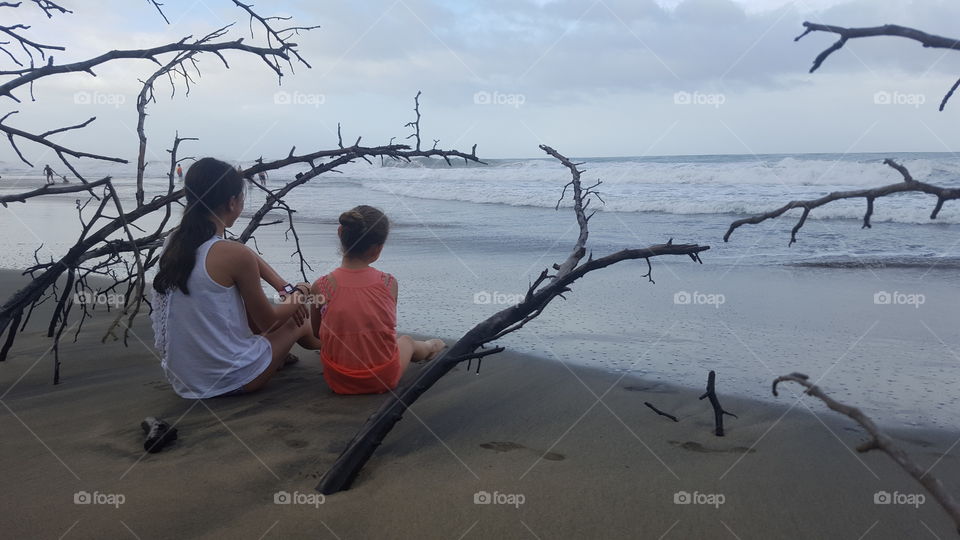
363, 227
209, 185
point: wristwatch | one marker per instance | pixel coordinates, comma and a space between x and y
288, 289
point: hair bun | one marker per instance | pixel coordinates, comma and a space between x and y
352, 219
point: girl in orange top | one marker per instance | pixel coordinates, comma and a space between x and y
357, 325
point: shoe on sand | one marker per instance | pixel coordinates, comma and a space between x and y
159, 434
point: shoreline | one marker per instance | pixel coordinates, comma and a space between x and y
773, 321
524, 426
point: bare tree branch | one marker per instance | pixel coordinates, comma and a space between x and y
29, 75
883, 442
51, 189
925, 39
547, 287
658, 411
416, 123
281, 36
908, 185
718, 412
159, 7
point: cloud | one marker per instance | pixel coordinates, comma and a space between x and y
590, 73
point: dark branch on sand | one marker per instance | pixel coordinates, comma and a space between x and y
870, 195
658, 411
718, 411
544, 289
883, 442
925, 39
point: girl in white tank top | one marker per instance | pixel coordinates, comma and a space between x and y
202, 325
206, 345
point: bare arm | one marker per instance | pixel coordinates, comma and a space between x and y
268, 274
315, 313
245, 270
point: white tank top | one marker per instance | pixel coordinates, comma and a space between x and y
205, 342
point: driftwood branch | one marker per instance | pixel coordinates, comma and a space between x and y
29, 75
159, 7
718, 411
433, 152
547, 287
51, 189
870, 195
279, 35
125, 261
925, 39
658, 411
883, 442
97, 252
61, 151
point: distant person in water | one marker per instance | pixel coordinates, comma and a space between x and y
357, 318
180, 172
49, 174
217, 332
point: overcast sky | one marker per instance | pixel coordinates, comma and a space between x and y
589, 77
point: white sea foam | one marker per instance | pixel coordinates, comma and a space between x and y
674, 185
684, 186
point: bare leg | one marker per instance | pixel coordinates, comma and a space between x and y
307, 341
281, 340
417, 351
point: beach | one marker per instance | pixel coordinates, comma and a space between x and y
559, 449
551, 438
871, 311
695, 265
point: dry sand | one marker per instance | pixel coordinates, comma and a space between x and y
576, 446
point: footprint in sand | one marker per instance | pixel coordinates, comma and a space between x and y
507, 446
657, 388
286, 429
697, 447
158, 385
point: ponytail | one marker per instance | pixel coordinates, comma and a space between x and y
209, 186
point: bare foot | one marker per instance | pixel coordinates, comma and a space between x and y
435, 345
289, 361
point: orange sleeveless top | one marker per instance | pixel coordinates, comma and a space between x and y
359, 332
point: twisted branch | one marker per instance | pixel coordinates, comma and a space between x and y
925, 39
881, 441
908, 185
547, 287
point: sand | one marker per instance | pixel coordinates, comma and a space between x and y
564, 451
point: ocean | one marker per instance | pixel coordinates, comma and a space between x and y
870, 311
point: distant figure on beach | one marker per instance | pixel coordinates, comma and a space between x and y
49, 174
217, 332
180, 172
262, 176
357, 323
